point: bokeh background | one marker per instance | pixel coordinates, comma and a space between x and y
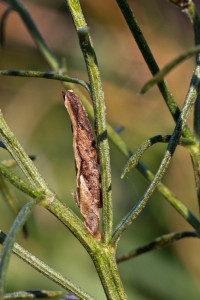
35, 112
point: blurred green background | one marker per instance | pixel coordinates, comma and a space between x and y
35, 112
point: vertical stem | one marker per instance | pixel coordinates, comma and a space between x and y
36, 35
195, 150
99, 113
106, 267
150, 60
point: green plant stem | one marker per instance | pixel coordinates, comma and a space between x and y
160, 242
148, 57
115, 138
99, 113
195, 150
104, 260
47, 271
18, 223
23, 160
2, 25
164, 71
189, 102
18, 182
8, 196
134, 159
10, 163
47, 75
37, 37
111, 281
32, 294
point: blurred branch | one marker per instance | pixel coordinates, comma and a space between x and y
174, 140
10, 199
24, 162
148, 57
134, 159
158, 243
18, 223
44, 269
99, 114
32, 294
2, 25
18, 182
163, 72
10, 163
115, 138
183, 4
36, 35
47, 75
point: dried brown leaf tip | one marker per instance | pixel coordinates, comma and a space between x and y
88, 196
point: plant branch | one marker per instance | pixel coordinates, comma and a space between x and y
47, 75
189, 102
148, 57
18, 223
32, 294
18, 182
163, 72
47, 271
99, 113
23, 160
36, 35
134, 159
160, 242
115, 138
2, 25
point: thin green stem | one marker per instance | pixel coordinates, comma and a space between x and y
148, 57
18, 223
10, 163
23, 160
47, 271
8, 196
32, 294
36, 35
164, 71
52, 203
189, 102
2, 25
99, 113
18, 182
195, 150
134, 159
115, 138
47, 75
160, 242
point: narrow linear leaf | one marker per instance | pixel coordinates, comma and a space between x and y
10, 163
134, 159
150, 61
10, 239
97, 96
18, 182
158, 243
32, 294
44, 269
2, 25
46, 75
174, 140
163, 72
23, 160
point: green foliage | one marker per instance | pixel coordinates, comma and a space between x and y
102, 253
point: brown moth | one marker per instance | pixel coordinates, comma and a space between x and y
88, 196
